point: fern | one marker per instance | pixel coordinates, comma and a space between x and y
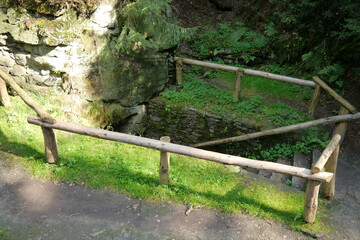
147, 27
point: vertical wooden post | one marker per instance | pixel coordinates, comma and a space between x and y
51, 151
178, 70
314, 101
164, 163
239, 75
340, 128
311, 200
5, 100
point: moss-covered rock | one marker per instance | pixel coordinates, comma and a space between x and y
56, 7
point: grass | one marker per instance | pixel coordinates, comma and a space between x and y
253, 106
134, 170
4, 235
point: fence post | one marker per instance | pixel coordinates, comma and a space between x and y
239, 75
311, 200
51, 151
179, 64
5, 100
164, 163
340, 128
314, 101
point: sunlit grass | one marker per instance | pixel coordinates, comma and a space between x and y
134, 170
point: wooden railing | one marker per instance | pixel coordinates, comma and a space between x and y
314, 176
318, 84
329, 158
314, 179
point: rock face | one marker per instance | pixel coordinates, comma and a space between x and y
76, 56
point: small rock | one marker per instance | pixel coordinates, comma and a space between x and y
45, 72
21, 59
104, 16
3, 40
265, 173
7, 61
18, 70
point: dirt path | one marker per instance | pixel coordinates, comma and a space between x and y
39, 210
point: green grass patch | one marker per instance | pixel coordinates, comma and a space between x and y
4, 235
217, 100
134, 170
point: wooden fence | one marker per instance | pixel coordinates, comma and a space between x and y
329, 158
323, 171
318, 84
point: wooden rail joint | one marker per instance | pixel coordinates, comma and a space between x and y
334, 94
320, 164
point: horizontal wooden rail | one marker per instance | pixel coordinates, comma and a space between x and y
280, 78
338, 98
280, 130
184, 150
206, 64
330, 148
247, 72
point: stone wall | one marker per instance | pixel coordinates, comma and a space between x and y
75, 57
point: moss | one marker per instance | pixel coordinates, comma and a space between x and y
55, 7
105, 114
54, 32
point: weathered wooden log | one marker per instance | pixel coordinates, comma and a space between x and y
250, 72
5, 99
281, 78
164, 163
239, 75
31, 103
314, 101
333, 144
331, 165
51, 152
183, 150
178, 63
208, 65
321, 121
337, 97
311, 200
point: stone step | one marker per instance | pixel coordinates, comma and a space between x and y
278, 177
316, 153
300, 160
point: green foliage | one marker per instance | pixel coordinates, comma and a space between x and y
4, 235
312, 138
105, 114
207, 97
235, 39
333, 75
148, 27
